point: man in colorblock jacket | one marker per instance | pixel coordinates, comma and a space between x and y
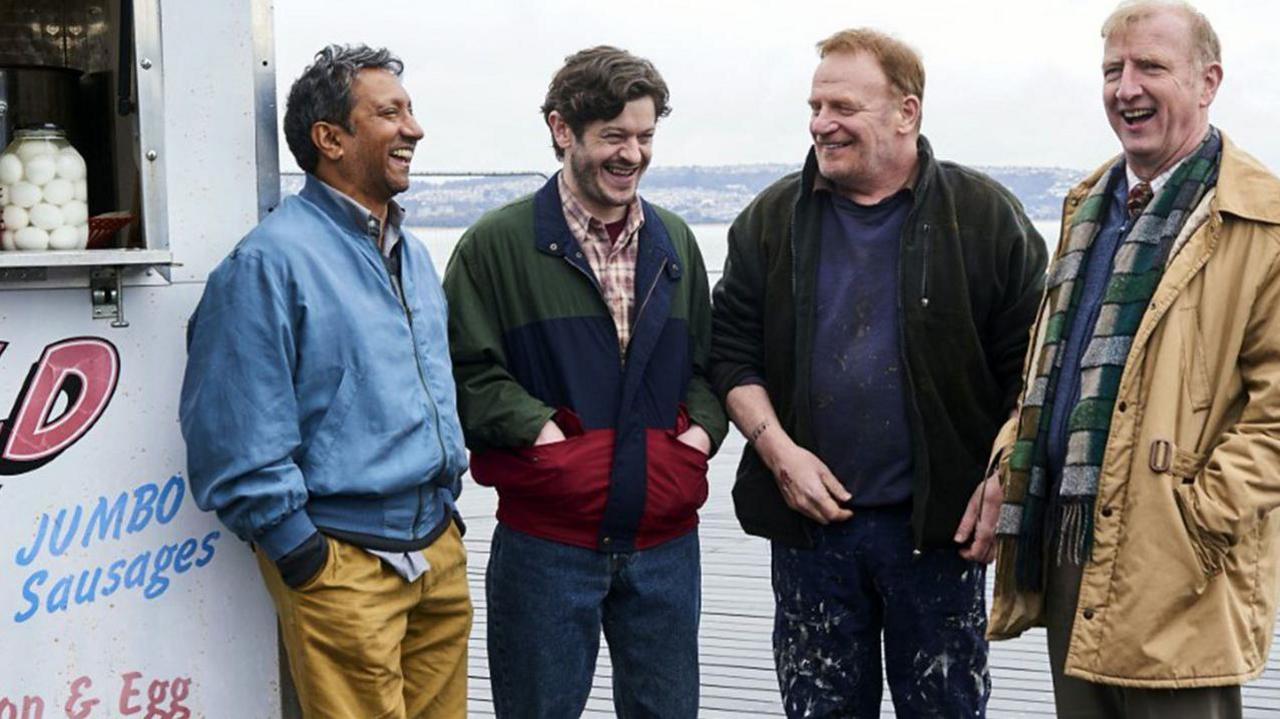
580, 327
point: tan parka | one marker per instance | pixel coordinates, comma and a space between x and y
1181, 587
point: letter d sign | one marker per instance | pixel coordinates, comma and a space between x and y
84, 371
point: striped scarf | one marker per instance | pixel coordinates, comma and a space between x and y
1036, 507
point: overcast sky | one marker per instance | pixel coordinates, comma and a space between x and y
1008, 82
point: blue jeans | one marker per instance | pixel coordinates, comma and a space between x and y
860, 580
547, 603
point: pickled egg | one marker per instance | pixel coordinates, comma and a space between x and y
25, 194
31, 239
15, 218
6, 241
41, 169
83, 230
46, 216
65, 237
58, 191
70, 165
34, 148
81, 190
10, 169
75, 213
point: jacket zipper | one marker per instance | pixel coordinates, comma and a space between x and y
924, 272
435, 409
917, 439
422, 377
649, 294
622, 359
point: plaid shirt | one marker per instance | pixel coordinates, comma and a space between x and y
614, 263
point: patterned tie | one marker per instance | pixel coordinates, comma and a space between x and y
1139, 196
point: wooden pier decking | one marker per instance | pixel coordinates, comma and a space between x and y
737, 620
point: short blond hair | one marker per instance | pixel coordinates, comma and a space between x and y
1206, 49
899, 61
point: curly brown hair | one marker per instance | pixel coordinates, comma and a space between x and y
596, 84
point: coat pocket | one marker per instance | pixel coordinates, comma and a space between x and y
676, 481
1210, 547
330, 427
1194, 368
566, 479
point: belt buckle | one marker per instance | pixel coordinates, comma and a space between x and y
1161, 456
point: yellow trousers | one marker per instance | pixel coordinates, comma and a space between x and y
365, 644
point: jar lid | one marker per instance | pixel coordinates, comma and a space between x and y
40, 131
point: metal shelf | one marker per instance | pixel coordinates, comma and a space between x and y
85, 258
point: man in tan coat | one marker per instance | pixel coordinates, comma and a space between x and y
1142, 468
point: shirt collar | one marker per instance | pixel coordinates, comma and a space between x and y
1156, 182
585, 226
362, 217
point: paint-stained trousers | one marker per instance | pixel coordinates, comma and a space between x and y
862, 580
363, 642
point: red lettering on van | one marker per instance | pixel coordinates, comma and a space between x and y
80, 371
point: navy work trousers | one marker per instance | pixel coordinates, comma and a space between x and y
863, 579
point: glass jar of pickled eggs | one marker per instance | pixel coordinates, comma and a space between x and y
43, 192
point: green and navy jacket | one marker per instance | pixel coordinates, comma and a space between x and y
532, 339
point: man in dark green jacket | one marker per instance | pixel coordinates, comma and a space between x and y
580, 328
869, 332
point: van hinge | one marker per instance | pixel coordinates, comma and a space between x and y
106, 293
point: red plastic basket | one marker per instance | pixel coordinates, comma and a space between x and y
105, 226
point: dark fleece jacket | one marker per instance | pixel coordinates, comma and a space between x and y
971, 275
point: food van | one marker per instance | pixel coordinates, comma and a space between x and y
118, 596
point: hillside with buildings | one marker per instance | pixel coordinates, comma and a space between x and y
700, 194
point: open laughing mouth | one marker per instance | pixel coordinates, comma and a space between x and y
621, 174
1135, 118
402, 156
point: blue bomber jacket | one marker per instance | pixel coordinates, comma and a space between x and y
313, 398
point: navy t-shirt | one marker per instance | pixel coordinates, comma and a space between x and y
859, 396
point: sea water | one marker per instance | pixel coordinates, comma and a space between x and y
712, 241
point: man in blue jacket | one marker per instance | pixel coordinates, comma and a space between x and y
319, 412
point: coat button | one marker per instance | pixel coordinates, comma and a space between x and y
1106, 511
1124, 406
607, 540
553, 247
1088, 613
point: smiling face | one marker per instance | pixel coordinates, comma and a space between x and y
371, 163
864, 131
1156, 94
603, 167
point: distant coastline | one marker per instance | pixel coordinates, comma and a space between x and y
699, 194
